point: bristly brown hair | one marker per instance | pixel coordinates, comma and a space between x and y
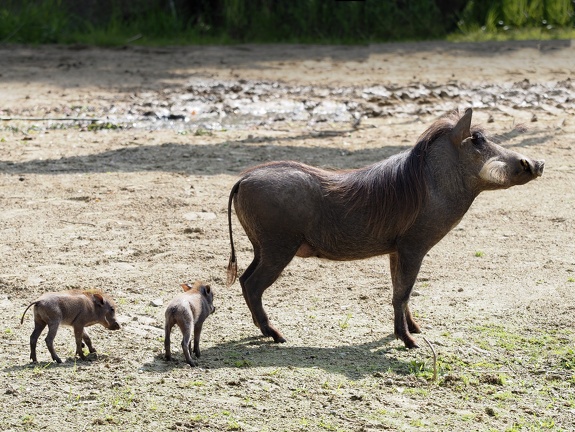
397, 184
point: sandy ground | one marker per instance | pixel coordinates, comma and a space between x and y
136, 203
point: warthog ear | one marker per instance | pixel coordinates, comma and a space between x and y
186, 287
206, 289
98, 299
462, 129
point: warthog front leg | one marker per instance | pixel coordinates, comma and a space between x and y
79, 335
88, 342
404, 271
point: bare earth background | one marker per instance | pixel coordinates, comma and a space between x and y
136, 203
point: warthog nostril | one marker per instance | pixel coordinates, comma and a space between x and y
525, 165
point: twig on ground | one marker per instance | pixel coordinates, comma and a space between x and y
78, 223
50, 119
434, 359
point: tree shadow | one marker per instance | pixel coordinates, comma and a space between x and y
66, 66
225, 157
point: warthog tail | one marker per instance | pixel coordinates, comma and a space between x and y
232, 264
26, 310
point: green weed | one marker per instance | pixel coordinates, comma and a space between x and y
27, 420
102, 126
242, 363
343, 324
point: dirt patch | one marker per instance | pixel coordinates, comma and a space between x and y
136, 204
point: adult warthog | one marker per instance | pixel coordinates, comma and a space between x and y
401, 206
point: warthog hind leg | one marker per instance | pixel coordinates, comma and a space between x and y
267, 270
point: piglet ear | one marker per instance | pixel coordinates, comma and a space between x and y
206, 289
186, 287
462, 129
98, 299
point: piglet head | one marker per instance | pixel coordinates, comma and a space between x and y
208, 294
107, 311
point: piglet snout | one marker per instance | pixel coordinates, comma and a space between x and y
114, 326
111, 324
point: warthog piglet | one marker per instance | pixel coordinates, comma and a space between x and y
187, 309
74, 308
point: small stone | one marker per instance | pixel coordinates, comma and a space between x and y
157, 302
5, 303
203, 215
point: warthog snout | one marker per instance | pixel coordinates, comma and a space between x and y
539, 165
533, 167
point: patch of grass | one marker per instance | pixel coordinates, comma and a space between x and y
493, 379
417, 423
203, 132
479, 254
27, 420
299, 391
152, 404
344, 324
39, 370
566, 358
506, 395
482, 34
197, 418
515, 20
96, 126
417, 391
192, 384
233, 425
419, 368
327, 425
122, 399
242, 363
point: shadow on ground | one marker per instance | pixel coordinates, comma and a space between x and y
352, 361
226, 157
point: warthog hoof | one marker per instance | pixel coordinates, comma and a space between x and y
270, 331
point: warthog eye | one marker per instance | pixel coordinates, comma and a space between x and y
477, 138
